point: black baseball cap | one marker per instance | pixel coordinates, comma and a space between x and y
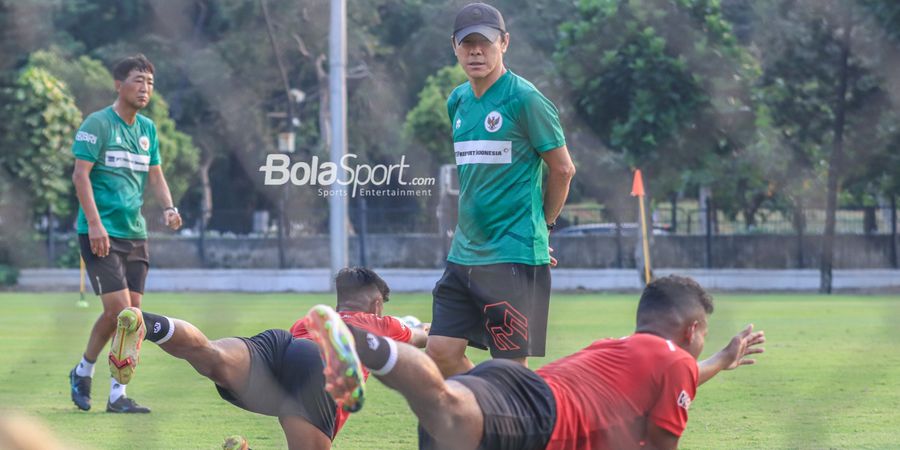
478, 18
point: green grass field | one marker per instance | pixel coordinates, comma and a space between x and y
830, 377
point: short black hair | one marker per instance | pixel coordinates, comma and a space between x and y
352, 284
126, 65
673, 296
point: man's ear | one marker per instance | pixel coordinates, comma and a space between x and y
118, 84
504, 41
691, 331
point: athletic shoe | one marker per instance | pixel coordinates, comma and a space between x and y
125, 405
235, 442
81, 390
342, 366
126, 344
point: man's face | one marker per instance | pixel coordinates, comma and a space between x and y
480, 57
136, 89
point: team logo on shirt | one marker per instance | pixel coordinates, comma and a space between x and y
684, 400
84, 136
493, 122
458, 123
144, 142
118, 139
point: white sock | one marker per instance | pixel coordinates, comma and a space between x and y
116, 390
85, 368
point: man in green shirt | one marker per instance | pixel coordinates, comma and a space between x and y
495, 292
116, 155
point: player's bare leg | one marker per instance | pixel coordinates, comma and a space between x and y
227, 363
301, 434
447, 410
81, 377
449, 354
105, 326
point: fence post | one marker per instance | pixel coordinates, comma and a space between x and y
800, 226
51, 245
363, 231
894, 231
674, 202
619, 262
708, 233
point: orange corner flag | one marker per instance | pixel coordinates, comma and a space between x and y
637, 188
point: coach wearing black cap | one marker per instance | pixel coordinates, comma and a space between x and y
495, 292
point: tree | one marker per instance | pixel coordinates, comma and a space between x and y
663, 84
824, 96
427, 124
37, 122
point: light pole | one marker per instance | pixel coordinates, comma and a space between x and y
337, 204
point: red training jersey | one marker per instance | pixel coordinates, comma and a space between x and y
607, 392
381, 325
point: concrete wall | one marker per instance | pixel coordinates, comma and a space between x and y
422, 280
427, 251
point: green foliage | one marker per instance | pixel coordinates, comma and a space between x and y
37, 122
799, 89
427, 124
87, 79
180, 158
9, 275
661, 82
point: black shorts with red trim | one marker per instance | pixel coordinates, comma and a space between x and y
503, 307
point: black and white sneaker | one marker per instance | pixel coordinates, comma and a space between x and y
81, 390
125, 405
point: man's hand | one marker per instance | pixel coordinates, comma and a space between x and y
734, 354
553, 261
99, 240
743, 344
172, 219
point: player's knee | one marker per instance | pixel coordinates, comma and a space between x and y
441, 353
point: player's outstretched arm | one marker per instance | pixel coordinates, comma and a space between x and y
734, 354
419, 337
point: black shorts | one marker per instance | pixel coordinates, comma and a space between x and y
498, 306
286, 379
518, 406
126, 265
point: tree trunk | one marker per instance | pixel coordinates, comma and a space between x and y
206, 205
834, 163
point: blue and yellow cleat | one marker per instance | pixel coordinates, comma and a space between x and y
344, 378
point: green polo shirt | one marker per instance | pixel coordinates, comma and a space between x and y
497, 142
122, 155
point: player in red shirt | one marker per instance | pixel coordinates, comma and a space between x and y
628, 393
275, 373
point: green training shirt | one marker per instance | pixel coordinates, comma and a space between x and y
122, 155
497, 140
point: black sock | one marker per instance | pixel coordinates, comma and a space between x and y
378, 353
159, 328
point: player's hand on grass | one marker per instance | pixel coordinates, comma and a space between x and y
553, 261
742, 345
172, 219
99, 240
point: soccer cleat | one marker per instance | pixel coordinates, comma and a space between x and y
81, 390
343, 370
126, 344
236, 442
125, 405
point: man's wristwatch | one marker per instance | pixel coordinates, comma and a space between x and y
551, 226
172, 208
